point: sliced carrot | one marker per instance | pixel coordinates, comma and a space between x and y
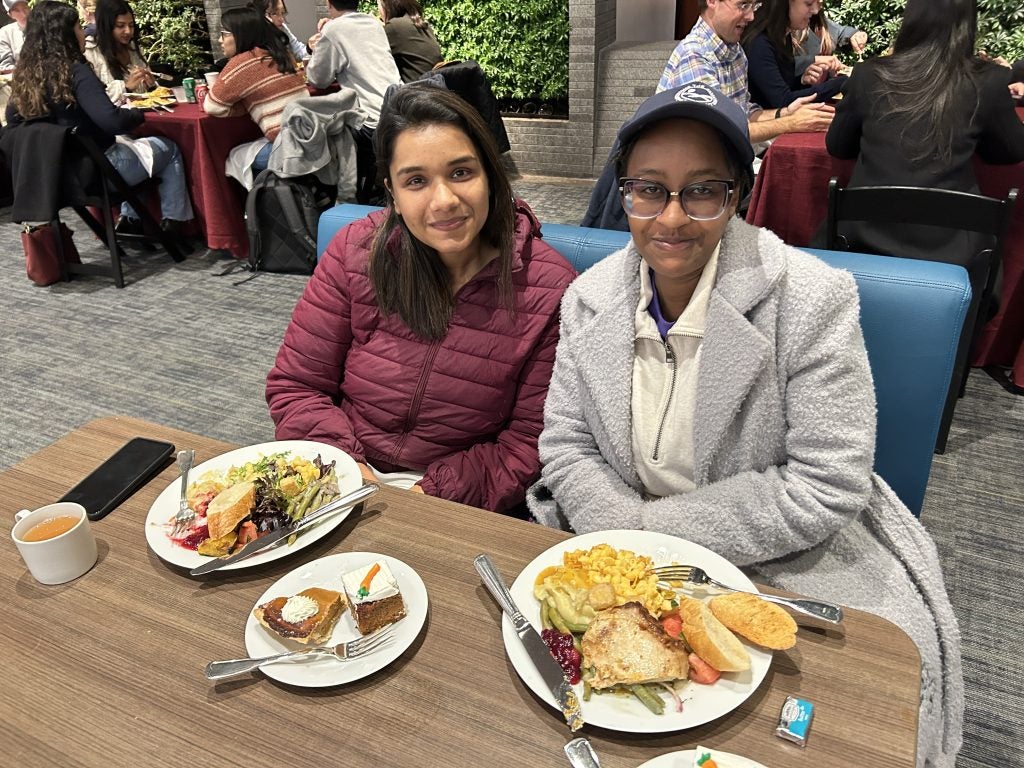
672, 624
702, 672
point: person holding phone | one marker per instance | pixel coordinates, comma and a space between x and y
114, 53
424, 339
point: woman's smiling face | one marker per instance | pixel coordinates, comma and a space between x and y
675, 153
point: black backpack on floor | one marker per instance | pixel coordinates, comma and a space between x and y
281, 217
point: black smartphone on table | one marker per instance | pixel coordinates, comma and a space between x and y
120, 476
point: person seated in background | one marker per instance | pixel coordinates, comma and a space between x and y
711, 54
815, 46
53, 82
12, 35
87, 15
413, 45
277, 14
352, 50
768, 43
424, 339
917, 117
712, 383
260, 77
114, 53
1016, 74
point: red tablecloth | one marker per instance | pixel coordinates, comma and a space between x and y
790, 198
205, 142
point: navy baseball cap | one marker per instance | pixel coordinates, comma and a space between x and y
697, 101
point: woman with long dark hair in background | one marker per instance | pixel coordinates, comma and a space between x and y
53, 82
114, 53
424, 340
917, 117
260, 75
818, 42
277, 14
771, 69
413, 45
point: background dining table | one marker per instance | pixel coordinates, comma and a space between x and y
108, 669
205, 141
790, 197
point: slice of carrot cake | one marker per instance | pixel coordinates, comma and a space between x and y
373, 597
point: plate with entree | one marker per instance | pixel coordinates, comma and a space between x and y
643, 657
701, 757
243, 494
332, 600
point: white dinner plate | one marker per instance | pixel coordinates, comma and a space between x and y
166, 504
701, 703
323, 671
684, 759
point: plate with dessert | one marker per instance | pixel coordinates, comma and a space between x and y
701, 757
615, 629
242, 494
333, 600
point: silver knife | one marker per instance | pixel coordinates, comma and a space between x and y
535, 646
270, 539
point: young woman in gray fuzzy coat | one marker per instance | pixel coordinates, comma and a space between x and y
712, 383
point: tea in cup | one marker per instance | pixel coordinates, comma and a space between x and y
55, 541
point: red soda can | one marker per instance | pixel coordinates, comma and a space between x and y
201, 91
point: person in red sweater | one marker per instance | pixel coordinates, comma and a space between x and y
260, 77
425, 339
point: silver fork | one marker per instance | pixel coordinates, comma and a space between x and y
691, 574
218, 670
184, 517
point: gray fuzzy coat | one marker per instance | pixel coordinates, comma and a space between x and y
783, 449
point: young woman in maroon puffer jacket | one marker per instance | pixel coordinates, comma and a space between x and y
425, 339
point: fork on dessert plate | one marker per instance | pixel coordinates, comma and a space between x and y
684, 576
351, 649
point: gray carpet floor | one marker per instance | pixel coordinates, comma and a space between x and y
184, 347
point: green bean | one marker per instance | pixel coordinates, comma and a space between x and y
545, 620
650, 700
587, 690
304, 500
556, 619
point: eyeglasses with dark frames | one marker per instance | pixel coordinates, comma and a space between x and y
701, 200
747, 6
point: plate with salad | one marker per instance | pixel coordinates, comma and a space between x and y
245, 493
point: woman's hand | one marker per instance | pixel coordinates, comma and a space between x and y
1017, 90
814, 74
367, 473
416, 489
139, 79
859, 41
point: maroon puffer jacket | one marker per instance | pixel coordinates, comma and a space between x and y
466, 410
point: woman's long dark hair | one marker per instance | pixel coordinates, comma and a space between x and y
396, 8
107, 12
42, 76
772, 18
932, 64
408, 275
252, 30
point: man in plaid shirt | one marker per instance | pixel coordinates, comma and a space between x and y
712, 54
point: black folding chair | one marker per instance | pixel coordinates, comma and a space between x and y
944, 208
105, 191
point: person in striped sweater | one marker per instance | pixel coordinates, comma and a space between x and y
260, 77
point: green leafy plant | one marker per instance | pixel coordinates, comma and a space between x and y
1000, 24
171, 32
522, 45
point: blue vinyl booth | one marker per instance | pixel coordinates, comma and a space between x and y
911, 314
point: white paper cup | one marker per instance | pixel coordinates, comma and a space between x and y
179, 94
211, 78
62, 558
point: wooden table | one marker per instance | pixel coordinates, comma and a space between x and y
790, 198
107, 670
205, 142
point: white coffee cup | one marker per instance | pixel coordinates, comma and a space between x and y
211, 78
62, 558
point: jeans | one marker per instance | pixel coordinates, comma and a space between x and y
167, 166
259, 162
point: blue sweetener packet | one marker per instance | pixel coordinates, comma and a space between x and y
795, 720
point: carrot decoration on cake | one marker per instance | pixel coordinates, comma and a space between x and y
364, 586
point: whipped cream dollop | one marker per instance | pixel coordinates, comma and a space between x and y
298, 608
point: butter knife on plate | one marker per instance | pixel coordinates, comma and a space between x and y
536, 648
270, 539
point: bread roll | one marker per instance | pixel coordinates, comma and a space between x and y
711, 639
761, 622
229, 508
